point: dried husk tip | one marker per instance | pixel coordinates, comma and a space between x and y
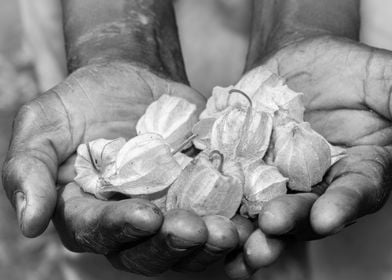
143, 166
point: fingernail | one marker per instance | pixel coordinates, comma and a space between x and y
130, 230
245, 277
178, 243
338, 229
350, 224
20, 205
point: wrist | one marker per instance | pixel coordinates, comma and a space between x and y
279, 23
142, 33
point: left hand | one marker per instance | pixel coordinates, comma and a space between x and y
348, 89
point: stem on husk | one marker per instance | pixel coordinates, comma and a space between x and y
243, 94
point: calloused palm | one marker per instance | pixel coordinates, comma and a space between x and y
101, 101
347, 90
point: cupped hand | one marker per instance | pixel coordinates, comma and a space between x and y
102, 101
347, 90
136, 237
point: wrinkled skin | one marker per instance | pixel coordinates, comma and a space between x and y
347, 89
104, 101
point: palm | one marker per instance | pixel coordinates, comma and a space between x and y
101, 102
346, 89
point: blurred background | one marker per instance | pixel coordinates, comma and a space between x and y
214, 36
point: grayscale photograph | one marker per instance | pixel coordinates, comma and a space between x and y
195, 139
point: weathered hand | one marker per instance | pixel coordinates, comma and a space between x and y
101, 101
347, 89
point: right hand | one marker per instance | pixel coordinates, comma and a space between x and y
100, 101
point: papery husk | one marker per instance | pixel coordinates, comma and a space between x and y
337, 153
241, 132
254, 79
217, 103
262, 183
221, 97
205, 190
202, 129
95, 162
182, 159
268, 92
220, 100
144, 166
171, 117
301, 154
158, 198
280, 100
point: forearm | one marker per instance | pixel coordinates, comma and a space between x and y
142, 32
277, 23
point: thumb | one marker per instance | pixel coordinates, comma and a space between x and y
37, 146
30, 187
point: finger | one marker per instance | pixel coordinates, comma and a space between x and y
358, 185
236, 267
30, 187
244, 228
66, 172
29, 172
222, 238
85, 223
288, 214
181, 234
261, 250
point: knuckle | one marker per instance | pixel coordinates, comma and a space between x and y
27, 115
91, 241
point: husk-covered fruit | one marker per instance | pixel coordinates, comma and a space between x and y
268, 92
95, 162
281, 101
209, 185
241, 132
301, 154
171, 117
144, 165
262, 183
